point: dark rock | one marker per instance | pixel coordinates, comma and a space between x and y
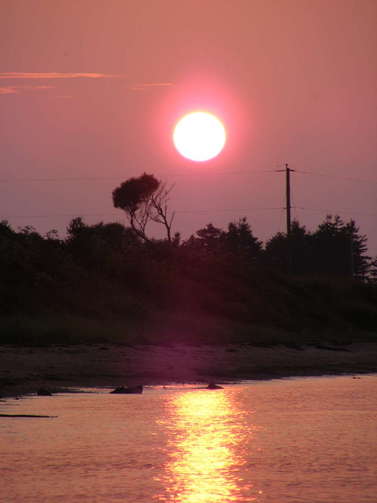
122, 390
44, 392
212, 385
330, 348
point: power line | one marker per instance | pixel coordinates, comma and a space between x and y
81, 214
102, 178
220, 210
224, 172
61, 179
193, 211
330, 175
60, 215
326, 210
287, 207
191, 172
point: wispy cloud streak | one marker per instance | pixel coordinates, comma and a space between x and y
149, 85
8, 90
17, 89
57, 75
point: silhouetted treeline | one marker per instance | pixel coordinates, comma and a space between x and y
302, 283
334, 249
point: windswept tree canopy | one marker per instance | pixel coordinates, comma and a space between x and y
132, 193
134, 197
143, 199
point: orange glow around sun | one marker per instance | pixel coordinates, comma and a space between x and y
199, 136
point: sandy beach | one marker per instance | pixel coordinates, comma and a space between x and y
24, 370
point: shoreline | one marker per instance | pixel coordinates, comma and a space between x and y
62, 368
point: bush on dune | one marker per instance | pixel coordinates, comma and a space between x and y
104, 283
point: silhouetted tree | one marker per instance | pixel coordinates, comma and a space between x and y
360, 261
334, 249
144, 199
240, 240
5, 229
108, 272
115, 235
372, 273
209, 239
340, 249
291, 253
101, 246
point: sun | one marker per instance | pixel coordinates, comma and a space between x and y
199, 136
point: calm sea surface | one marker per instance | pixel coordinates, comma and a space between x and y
290, 440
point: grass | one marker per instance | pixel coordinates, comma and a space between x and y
165, 328
49, 330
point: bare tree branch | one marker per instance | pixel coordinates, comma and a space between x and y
160, 213
144, 199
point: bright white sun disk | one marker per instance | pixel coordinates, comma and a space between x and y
199, 136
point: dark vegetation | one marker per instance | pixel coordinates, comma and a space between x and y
112, 283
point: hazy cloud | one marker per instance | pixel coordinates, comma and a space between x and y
61, 75
148, 85
19, 89
8, 90
57, 75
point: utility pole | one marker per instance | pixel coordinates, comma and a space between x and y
288, 206
288, 197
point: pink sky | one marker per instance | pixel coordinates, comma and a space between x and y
90, 91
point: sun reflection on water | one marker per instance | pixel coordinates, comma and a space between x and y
206, 439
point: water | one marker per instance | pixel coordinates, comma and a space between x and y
292, 440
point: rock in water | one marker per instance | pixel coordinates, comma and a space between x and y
122, 390
44, 392
212, 385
